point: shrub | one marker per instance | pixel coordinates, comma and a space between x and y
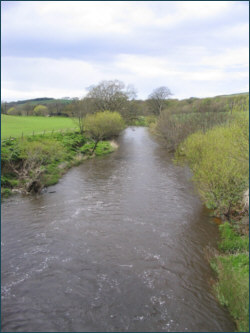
103, 125
219, 160
13, 112
174, 127
180, 119
41, 110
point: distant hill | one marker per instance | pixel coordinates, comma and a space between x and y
239, 94
33, 101
43, 101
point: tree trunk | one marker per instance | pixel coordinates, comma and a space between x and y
96, 143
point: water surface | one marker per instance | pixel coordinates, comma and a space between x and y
119, 246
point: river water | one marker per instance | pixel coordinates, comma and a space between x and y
117, 246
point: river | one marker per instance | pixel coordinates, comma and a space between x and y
117, 245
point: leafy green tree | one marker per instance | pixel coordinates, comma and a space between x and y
41, 110
103, 125
13, 112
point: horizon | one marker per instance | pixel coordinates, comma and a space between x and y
136, 99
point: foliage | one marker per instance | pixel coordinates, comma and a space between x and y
5, 192
40, 110
219, 164
43, 158
13, 111
103, 125
179, 119
175, 128
102, 148
72, 141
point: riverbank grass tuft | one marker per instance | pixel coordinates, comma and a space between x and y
232, 268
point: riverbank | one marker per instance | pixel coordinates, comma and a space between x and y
231, 264
32, 163
219, 159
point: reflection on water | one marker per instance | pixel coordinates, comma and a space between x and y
117, 247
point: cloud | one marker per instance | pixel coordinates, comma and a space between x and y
59, 48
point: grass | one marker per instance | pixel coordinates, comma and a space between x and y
102, 148
14, 126
232, 242
232, 268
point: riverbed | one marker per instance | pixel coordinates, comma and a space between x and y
117, 245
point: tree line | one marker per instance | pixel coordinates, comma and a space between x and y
111, 95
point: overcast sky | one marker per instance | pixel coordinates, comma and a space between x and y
59, 48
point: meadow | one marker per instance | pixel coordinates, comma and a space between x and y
16, 126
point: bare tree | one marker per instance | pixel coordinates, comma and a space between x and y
4, 107
27, 109
80, 109
111, 95
157, 99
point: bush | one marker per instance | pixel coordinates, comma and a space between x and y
41, 110
182, 118
174, 128
103, 125
13, 112
220, 164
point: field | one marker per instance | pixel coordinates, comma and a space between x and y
14, 126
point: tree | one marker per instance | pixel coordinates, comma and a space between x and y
41, 110
13, 111
4, 107
157, 99
111, 95
80, 109
27, 109
103, 125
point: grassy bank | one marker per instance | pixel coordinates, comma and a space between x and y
38, 161
219, 159
15, 126
232, 268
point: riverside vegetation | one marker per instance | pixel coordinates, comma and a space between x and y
31, 163
214, 141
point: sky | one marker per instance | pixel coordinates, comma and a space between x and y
60, 48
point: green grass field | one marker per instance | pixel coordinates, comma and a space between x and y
14, 126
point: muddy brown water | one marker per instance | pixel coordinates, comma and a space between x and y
118, 246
